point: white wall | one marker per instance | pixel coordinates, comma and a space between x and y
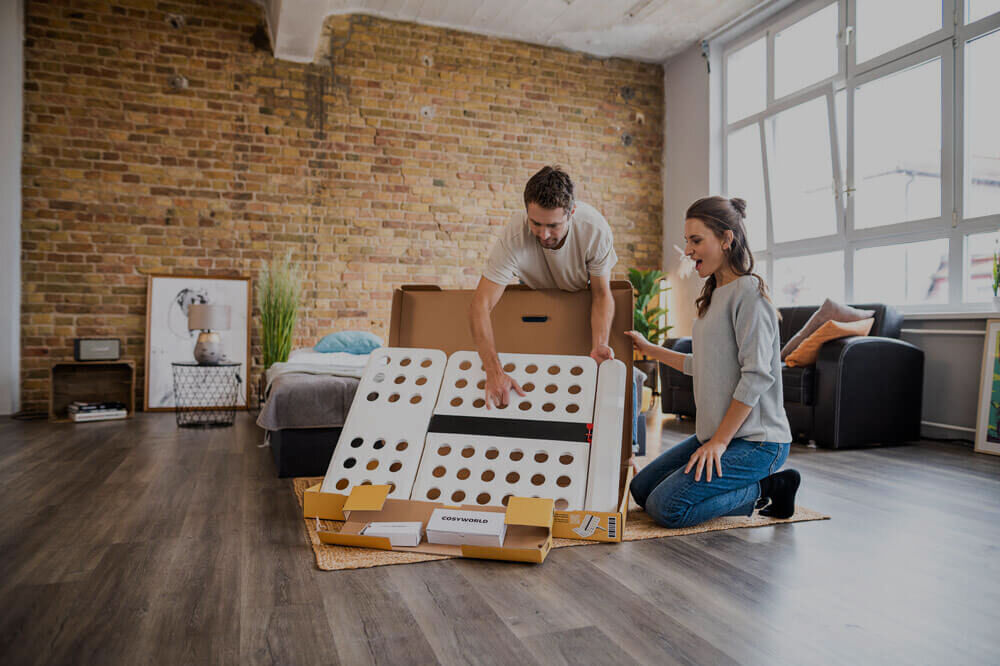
686, 172
11, 118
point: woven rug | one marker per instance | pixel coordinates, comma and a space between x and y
638, 526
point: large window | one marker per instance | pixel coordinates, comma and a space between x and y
865, 136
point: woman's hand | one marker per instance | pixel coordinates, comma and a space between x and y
705, 457
641, 344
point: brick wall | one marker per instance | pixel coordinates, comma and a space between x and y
333, 160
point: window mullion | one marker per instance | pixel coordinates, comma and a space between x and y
767, 187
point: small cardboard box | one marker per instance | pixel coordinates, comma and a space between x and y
525, 321
481, 528
528, 521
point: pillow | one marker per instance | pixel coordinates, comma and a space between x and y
807, 352
352, 342
829, 311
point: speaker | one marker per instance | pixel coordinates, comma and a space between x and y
97, 349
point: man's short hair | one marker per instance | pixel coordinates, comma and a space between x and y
550, 188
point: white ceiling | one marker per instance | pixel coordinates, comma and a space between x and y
647, 30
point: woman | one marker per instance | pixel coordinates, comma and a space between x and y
727, 468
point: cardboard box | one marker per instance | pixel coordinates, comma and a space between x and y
528, 521
399, 534
525, 321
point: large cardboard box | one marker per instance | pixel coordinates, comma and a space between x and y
525, 321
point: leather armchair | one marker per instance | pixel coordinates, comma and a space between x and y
862, 391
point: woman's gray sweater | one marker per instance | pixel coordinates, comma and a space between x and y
736, 355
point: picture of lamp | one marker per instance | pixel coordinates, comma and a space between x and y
209, 319
589, 525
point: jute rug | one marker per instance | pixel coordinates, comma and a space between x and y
638, 526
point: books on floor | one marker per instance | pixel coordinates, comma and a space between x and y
96, 411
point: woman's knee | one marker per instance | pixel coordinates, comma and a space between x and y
668, 511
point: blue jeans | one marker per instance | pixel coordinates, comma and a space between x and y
674, 499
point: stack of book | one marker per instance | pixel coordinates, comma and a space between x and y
97, 411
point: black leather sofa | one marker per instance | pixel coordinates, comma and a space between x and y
862, 391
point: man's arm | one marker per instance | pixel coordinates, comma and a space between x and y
498, 384
602, 312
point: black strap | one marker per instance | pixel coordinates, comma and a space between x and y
521, 428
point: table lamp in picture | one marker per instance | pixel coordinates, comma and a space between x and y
209, 319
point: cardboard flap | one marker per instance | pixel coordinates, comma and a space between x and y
328, 506
367, 498
532, 555
529, 511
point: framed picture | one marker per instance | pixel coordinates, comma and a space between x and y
168, 300
988, 414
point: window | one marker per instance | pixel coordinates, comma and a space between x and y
798, 141
746, 176
897, 147
745, 83
884, 25
806, 52
978, 9
868, 150
982, 126
911, 273
979, 266
809, 279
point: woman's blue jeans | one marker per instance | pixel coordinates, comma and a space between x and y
674, 499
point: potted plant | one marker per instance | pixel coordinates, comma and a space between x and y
647, 286
279, 291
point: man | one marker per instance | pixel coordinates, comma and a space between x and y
557, 243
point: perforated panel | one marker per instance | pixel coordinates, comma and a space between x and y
383, 436
468, 469
558, 388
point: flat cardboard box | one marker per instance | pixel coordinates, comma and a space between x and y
528, 520
525, 321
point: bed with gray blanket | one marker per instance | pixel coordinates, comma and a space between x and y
306, 401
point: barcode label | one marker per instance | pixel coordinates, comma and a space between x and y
612, 527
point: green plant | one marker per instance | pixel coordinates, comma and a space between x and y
279, 292
647, 286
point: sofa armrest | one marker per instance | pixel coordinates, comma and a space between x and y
868, 390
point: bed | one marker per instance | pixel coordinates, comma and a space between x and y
306, 401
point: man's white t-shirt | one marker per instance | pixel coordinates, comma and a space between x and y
587, 251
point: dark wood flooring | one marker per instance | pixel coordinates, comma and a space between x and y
141, 543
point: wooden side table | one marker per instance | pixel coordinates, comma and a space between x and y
90, 381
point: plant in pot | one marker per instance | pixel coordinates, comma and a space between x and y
279, 292
646, 317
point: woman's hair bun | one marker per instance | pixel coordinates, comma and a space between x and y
740, 205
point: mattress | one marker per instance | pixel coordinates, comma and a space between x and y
310, 390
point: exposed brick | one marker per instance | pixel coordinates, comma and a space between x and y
123, 177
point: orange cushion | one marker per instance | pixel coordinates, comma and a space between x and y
808, 350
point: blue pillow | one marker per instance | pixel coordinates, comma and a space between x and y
352, 342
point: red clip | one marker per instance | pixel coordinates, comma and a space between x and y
590, 432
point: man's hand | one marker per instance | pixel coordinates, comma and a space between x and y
707, 456
498, 387
602, 353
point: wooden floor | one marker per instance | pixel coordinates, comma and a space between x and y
137, 542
